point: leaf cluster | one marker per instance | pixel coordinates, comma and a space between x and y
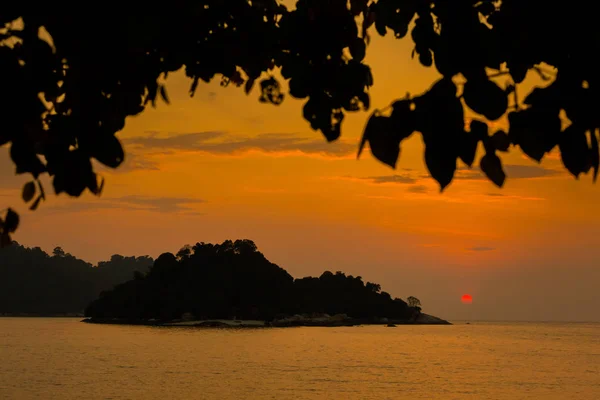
70, 79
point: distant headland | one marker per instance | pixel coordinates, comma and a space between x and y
230, 284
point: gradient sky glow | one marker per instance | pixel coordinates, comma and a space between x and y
222, 166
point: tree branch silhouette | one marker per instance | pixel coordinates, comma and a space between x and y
70, 79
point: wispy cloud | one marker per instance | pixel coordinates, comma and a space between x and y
397, 179
481, 248
133, 162
133, 202
503, 197
408, 177
417, 189
222, 143
513, 171
160, 204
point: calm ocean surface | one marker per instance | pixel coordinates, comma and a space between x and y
45, 358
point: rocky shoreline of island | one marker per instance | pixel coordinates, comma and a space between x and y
291, 321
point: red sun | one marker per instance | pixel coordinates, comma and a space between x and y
466, 299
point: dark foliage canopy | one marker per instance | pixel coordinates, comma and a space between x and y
64, 99
208, 280
235, 279
35, 282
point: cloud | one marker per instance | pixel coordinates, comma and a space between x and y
481, 248
403, 179
417, 189
221, 143
160, 204
513, 171
133, 162
133, 202
503, 197
136, 162
400, 179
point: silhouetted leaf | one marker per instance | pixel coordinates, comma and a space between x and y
24, 157
249, 85
518, 71
163, 94
193, 87
385, 146
441, 121
441, 164
501, 141
365, 100
426, 58
358, 49
491, 166
486, 98
535, 130
11, 221
380, 24
75, 175
151, 93
479, 129
402, 119
42, 192
28, 191
468, 148
542, 97
34, 206
101, 187
574, 152
298, 87
423, 32
96, 184
446, 64
357, 6
108, 151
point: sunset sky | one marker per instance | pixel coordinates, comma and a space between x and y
222, 166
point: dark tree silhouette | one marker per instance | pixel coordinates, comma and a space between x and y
34, 282
413, 302
235, 279
70, 81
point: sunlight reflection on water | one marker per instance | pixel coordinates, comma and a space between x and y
65, 359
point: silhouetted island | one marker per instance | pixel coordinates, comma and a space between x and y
233, 284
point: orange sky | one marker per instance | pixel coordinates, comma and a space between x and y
222, 165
